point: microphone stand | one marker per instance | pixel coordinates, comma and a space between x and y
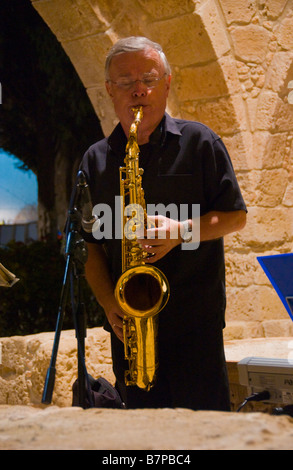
76, 256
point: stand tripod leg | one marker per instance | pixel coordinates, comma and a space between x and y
51, 372
80, 329
79, 318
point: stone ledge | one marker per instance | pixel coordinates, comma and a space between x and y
54, 428
266, 329
281, 348
25, 360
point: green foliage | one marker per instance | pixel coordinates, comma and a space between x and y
31, 305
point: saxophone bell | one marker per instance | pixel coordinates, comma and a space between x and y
142, 291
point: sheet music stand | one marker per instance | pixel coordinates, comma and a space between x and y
279, 270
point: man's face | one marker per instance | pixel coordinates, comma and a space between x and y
133, 67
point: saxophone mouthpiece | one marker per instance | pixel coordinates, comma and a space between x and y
137, 110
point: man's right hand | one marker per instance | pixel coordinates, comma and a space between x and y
115, 318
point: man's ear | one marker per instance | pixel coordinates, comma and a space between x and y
108, 88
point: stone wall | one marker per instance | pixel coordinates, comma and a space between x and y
231, 64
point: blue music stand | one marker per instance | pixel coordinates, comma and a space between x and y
279, 270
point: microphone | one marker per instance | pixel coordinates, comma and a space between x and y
87, 217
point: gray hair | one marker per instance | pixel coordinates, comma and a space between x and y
134, 44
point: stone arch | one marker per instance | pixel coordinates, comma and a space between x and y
193, 35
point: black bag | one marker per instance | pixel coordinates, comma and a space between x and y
99, 394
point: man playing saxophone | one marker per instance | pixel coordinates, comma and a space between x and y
184, 163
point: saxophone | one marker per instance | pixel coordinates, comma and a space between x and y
142, 289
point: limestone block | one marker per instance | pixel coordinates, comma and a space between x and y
270, 186
254, 303
129, 20
263, 117
285, 34
278, 70
201, 82
88, 57
269, 149
14, 391
105, 9
69, 20
250, 42
259, 155
267, 226
240, 11
275, 347
273, 8
25, 360
224, 115
242, 269
239, 146
267, 329
212, 21
247, 185
283, 116
184, 40
235, 243
230, 74
237, 330
272, 113
280, 328
171, 8
251, 103
288, 196
103, 106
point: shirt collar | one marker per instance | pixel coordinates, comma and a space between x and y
118, 140
167, 125
171, 125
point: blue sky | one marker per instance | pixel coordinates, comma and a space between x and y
17, 188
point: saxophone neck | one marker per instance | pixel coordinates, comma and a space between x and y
138, 115
132, 144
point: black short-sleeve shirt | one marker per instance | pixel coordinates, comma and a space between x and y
185, 162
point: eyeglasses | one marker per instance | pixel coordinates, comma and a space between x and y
149, 82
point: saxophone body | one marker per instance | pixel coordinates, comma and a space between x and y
142, 289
